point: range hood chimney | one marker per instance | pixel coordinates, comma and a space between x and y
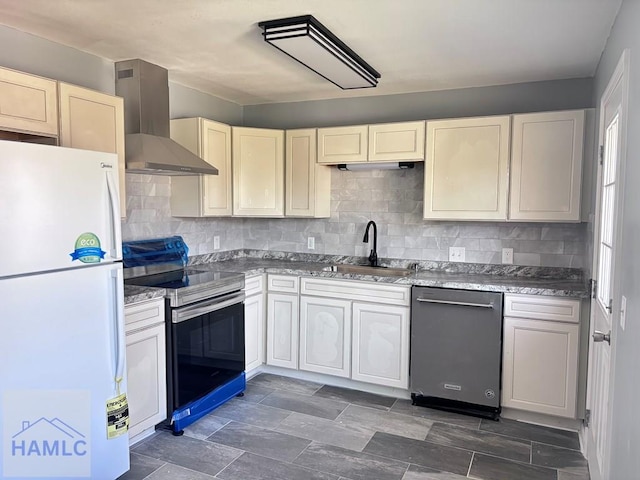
148, 148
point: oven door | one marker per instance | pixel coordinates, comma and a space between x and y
206, 347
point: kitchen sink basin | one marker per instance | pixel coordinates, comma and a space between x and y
369, 270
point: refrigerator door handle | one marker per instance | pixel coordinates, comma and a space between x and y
116, 247
119, 326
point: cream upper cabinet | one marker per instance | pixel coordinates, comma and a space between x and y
258, 172
93, 121
307, 184
546, 166
540, 354
28, 103
466, 171
203, 195
342, 144
396, 142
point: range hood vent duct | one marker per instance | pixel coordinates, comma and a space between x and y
148, 148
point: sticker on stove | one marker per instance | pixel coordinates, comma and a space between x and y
87, 249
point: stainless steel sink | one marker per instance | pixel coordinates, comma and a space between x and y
368, 270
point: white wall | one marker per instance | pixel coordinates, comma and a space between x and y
625, 458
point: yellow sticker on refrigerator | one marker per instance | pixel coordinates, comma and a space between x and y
117, 416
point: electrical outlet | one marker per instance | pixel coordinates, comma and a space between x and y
216, 242
311, 243
623, 312
456, 254
507, 256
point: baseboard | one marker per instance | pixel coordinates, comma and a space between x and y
571, 424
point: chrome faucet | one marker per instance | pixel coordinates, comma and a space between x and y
373, 256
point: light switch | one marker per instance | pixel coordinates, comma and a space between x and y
623, 312
216, 242
311, 243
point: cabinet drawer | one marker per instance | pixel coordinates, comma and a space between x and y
542, 308
253, 285
143, 314
357, 291
283, 283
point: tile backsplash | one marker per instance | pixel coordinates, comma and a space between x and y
392, 198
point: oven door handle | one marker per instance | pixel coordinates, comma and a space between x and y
187, 313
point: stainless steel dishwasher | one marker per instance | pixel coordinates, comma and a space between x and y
456, 350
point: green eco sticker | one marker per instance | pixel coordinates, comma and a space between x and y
87, 249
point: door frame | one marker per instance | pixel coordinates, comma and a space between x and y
619, 79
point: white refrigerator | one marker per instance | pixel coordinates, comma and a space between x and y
63, 410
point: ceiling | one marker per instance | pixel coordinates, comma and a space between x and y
417, 45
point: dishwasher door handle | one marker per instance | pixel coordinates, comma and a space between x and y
449, 302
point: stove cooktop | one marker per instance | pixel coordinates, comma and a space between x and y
184, 285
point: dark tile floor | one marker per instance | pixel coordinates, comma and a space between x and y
287, 429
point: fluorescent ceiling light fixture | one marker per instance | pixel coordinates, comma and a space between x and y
375, 166
309, 42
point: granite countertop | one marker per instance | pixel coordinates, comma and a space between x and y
517, 280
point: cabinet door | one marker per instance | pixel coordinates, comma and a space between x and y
258, 172
546, 166
325, 336
28, 103
146, 378
466, 169
282, 330
380, 345
93, 121
540, 366
342, 144
254, 331
307, 184
203, 195
394, 142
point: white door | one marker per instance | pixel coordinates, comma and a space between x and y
604, 305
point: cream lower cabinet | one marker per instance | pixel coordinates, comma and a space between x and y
254, 318
93, 121
146, 365
203, 195
282, 321
258, 172
325, 336
540, 354
546, 166
307, 184
380, 344
466, 174
28, 103
375, 349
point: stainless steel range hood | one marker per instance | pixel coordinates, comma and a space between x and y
148, 148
